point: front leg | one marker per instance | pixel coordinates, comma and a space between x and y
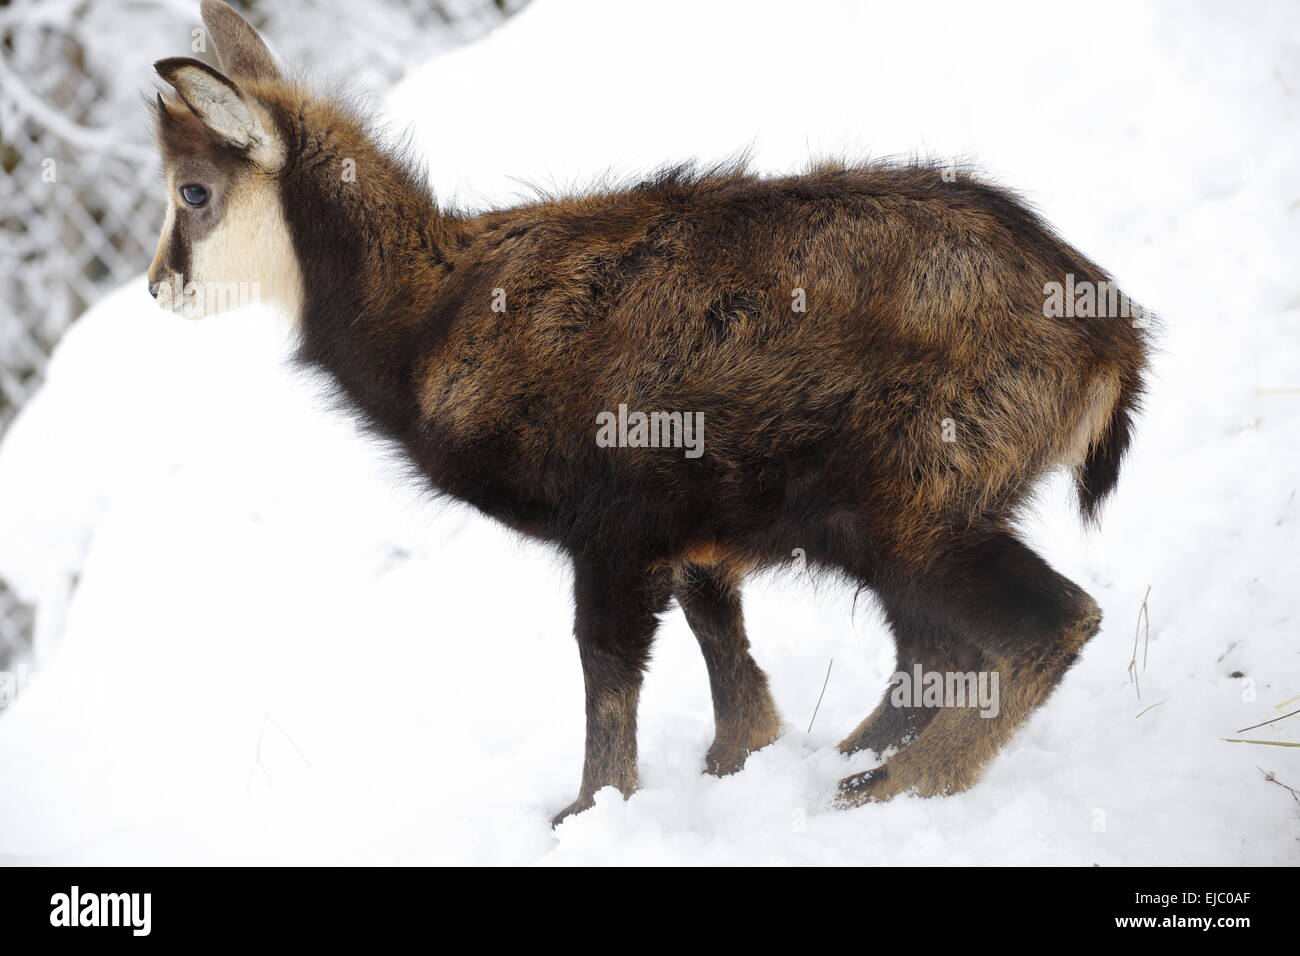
744, 715
614, 622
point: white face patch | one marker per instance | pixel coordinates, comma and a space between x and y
248, 256
245, 256
225, 242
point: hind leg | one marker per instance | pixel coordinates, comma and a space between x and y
744, 714
1028, 624
920, 644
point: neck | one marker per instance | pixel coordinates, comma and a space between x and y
373, 251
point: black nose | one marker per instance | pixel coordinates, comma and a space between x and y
153, 288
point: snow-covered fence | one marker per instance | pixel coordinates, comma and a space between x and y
80, 205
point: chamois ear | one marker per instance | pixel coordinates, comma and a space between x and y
163, 112
215, 100
240, 50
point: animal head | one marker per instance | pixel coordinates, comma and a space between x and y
224, 240
277, 194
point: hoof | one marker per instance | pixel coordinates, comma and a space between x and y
577, 806
726, 756
872, 786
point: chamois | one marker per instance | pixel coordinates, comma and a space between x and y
865, 353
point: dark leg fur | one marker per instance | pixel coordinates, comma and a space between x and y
1025, 620
615, 622
745, 716
919, 642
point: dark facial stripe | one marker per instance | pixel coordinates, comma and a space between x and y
178, 251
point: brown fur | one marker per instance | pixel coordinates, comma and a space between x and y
824, 428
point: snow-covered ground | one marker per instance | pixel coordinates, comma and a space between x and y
261, 643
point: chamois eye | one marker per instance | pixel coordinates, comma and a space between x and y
194, 194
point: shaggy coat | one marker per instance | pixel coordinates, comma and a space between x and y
866, 347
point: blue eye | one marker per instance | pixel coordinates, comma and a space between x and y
194, 194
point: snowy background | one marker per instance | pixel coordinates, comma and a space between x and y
79, 197
223, 677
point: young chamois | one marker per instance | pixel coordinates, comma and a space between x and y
867, 355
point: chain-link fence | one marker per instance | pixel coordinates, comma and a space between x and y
80, 205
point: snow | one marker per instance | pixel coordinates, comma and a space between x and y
260, 641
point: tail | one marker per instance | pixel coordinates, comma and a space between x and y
1096, 477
